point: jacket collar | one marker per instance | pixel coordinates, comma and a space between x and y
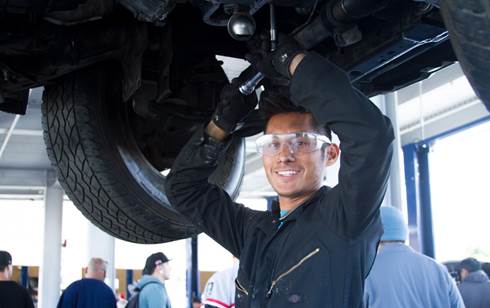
293, 215
477, 276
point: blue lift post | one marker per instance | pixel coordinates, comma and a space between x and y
424, 208
24, 277
192, 272
129, 280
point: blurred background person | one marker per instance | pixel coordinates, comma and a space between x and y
475, 285
90, 291
12, 295
151, 292
404, 278
219, 291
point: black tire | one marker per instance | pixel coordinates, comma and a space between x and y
101, 168
468, 23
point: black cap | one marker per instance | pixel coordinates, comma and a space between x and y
153, 261
470, 264
5, 259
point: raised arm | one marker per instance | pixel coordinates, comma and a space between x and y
209, 207
365, 139
365, 134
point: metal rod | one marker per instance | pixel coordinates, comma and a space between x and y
248, 87
8, 135
273, 26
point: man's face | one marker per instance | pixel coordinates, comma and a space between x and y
464, 273
165, 269
293, 175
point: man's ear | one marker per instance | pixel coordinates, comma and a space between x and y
332, 153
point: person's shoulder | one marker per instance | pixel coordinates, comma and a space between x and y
151, 287
73, 286
12, 286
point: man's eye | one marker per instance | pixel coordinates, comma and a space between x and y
301, 142
274, 145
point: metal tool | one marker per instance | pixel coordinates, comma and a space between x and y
241, 26
248, 87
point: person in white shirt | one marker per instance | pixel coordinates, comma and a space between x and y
220, 289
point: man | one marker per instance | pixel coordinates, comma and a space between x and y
403, 278
151, 287
11, 293
219, 291
91, 291
475, 285
319, 251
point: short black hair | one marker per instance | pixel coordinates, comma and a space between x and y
470, 264
274, 102
5, 260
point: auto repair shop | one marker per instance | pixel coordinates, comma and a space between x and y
82, 170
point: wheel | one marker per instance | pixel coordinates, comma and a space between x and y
91, 139
468, 23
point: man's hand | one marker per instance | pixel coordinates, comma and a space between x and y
283, 61
232, 108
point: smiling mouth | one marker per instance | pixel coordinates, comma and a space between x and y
287, 172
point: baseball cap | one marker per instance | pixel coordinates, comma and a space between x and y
394, 225
153, 261
470, 264
5, 259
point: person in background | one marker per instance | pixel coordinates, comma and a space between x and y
12, 295
90, 291
151, 287
220, 289
475, 285
404, 278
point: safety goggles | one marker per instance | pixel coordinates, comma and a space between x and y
298, 143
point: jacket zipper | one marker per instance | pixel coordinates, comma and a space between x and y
274, 282
239, 287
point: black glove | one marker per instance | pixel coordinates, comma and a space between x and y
233, 106
276, 62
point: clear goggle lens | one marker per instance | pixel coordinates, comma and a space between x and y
298, 143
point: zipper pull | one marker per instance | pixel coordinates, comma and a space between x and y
269, 292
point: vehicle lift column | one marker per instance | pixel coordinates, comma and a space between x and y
49, 276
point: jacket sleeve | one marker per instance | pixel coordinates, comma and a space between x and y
208, 206
365, 141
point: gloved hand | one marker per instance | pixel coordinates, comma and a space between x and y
233, 106
275, 62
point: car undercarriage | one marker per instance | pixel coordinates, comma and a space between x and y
128, 82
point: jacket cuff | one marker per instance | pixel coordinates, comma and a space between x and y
211, 148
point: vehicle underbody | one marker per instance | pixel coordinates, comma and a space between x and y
158, 58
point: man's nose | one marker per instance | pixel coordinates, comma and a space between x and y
286, 152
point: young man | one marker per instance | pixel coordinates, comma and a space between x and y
318, 252
402, 277
152, 284
11, 293
91, 291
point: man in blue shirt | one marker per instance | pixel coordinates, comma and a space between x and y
401, 277
153, 293
90, 291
